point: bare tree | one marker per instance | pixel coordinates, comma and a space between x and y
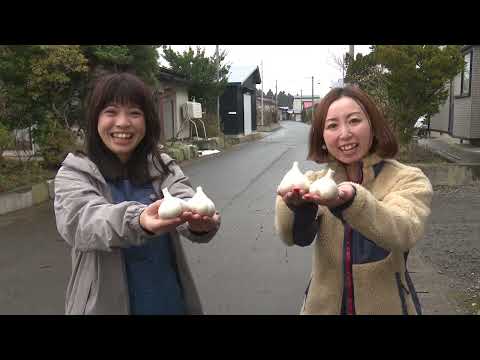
338, 62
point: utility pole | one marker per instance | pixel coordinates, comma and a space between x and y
313, 97
262, 91
276, 102
217, 60
301, 105
351, 53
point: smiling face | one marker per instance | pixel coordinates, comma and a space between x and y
121, 129
347, 132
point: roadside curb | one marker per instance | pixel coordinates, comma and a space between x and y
242, 141
269, 129
452, 152
26, 196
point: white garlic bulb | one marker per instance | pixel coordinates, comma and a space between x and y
314, 175
184, 205
325, 187
171, 207
293, 179
201, 204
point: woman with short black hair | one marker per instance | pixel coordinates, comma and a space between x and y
126, 259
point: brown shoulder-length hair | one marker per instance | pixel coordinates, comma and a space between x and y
123, 89
384, 142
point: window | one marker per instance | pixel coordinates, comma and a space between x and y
466, 75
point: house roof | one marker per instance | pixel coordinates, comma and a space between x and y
307, 97
266, 100
170, 75
241, 73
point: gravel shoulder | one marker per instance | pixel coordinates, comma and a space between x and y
451, 245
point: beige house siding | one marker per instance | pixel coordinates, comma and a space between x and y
170, 104
181, 98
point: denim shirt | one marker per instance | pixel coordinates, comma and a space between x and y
153, 283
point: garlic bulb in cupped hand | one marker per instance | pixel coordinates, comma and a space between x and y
293, 179
325, 187
171, 207
201, 204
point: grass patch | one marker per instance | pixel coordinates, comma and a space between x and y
15, 174
415, 153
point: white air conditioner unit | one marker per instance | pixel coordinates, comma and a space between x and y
192, 110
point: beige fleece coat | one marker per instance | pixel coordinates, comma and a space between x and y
391, 210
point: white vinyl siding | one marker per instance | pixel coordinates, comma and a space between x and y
247, 114
463, 113
466, 75
439, 121
457, 83
475, 95
466, 109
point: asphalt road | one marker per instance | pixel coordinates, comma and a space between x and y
34, 262
246, 269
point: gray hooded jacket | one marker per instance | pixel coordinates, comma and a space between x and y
96, 229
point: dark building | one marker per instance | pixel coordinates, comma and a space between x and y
238, 102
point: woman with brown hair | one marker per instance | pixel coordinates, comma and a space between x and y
126, 259
363, 236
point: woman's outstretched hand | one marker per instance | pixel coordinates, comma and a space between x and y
199, 223
345, 193
297, 197
294, 197
152, 222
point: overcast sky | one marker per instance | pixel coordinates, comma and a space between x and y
292, 66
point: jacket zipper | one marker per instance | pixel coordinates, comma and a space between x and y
348, 271
348, 261
401, 292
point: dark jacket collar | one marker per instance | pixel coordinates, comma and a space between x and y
367, 168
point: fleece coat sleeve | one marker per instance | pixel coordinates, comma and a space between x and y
296, 226
397, 220
88, 221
